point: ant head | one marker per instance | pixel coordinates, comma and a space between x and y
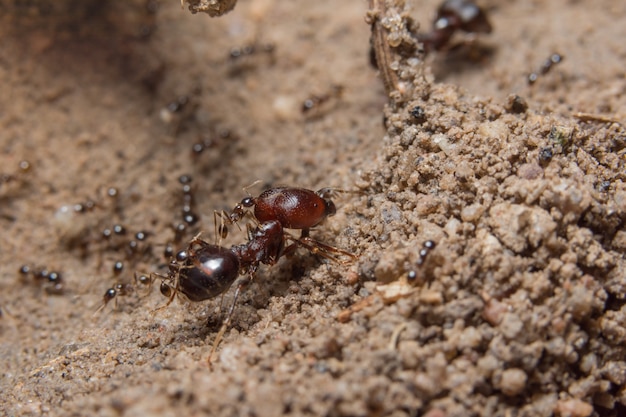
330, 208
182, 256
247, 202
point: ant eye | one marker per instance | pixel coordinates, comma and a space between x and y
182, 256
247, 202
165, 289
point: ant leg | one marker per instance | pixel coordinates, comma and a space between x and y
238, 212
316, 247
327, 192
247, 187
222, 229
196, 241
118, 290
167, 290
222, 301
226, 323
109, 295
143, 280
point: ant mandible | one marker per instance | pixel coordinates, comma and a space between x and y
203, 270
292, 207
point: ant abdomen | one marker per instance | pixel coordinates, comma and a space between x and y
209, 273
294, 208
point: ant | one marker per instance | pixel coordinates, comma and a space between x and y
249, 57
393, 291
122, 290
292, 207
189, 216
212, 140
176, 112
547, 65
427, 247
54, 279
251, 49
454, 15
23, 167
203, 270
316, 105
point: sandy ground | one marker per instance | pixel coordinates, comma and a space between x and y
519, 310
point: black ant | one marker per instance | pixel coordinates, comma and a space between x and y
54, 279
188, 214
112, 293
248, 57
428, 246
122, 290
11, 185
547, 65
203, 270
454, 15
23, 167
292, 207
86, 206
134, 248
177, 112
115, 239
251, 49
316, 105
212, 140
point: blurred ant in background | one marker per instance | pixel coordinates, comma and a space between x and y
453, 15
6, 178
547, 65
52, 280
12, 185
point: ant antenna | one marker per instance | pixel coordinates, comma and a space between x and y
247, 187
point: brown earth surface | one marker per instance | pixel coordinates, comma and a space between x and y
519, 310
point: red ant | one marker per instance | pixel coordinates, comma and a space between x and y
292, 207
451, 16
203, 271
